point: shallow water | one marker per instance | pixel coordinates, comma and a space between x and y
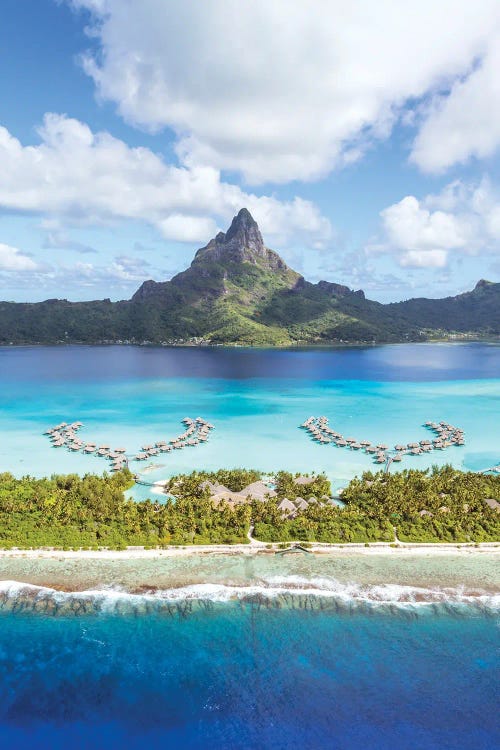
256, 400
478, 571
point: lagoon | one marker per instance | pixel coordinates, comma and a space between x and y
255, 398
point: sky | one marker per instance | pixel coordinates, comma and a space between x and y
363, 137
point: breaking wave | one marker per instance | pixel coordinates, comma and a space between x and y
276, 592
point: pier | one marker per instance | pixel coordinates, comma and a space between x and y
446, 435
64, 435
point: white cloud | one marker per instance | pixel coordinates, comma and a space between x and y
464, 123
12, 259
424, 259
91, 178
462, 219
188, 228
281, 92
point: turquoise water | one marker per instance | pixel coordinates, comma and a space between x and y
130, 396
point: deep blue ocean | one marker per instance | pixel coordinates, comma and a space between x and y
241, 676
236, 674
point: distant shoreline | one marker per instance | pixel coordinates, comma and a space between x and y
235, 345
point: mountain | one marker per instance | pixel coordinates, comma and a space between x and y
237, 290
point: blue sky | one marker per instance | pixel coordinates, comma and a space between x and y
364, 142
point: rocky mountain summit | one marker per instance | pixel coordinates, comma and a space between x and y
225, 260
242, 243
237, 290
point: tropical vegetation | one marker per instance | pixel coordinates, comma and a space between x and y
68, 511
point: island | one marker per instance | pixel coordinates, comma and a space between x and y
245, 507
238, 291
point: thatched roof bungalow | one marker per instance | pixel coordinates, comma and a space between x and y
492, 503
258, 490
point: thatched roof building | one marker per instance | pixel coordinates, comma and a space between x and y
287, 508
304, 480
492, 503
258, 490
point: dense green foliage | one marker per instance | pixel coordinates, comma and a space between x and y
286, 486
234, 479
320, 523
378, 505
91, 511
442, 505
285, 316
70, 511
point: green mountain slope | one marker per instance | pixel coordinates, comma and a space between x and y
237, 290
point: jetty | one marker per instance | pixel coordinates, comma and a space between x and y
293, 549
446, 436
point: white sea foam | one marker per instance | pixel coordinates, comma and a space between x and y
292, 589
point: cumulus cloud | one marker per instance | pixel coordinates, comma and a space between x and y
92, 178
12, 259
461, 219
278, 92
